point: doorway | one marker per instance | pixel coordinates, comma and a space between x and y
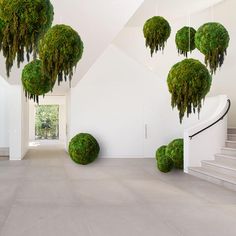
47, 122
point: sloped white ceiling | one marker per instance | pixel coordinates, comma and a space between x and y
171, 9
97, 21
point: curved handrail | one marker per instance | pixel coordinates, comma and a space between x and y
221, 118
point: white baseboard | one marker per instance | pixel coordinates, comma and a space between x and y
4, 151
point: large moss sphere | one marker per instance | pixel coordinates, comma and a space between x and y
212, 39
184, 40
83, 148
26, 22
60, 50
34, 81
156, 31
175, 150
188, 81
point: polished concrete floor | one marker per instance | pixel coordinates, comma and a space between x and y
48, 195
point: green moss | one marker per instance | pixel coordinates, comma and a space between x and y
60, 50
175, 150
2, 27
212, 39
156, 31
34, 82
165, 164
83, 148
184, 40
188, 81
160, 151
26, 22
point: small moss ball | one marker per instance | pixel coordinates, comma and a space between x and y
83, 148
156, 31
212, 39
184, 40
189, 81
34, 81
175, 150
60, 50
160, 151
165, 164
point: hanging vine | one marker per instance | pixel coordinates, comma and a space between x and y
34, 81
189, 81
60, 50
184, 40
26, 21
212, 39
156, 31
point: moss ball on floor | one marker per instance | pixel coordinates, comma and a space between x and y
160, 151
175, 150
165, 164
83, 148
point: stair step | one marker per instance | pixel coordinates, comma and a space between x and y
230, 144
221, 167
232, 137
231, 130
214, 177
228, 151
225, 158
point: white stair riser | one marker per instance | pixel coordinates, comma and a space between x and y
230, 161
219, 169
213, 179
231, 130
206, 177
231, 137
228, 152
230, 145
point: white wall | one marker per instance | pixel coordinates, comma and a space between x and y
49, 100
18, 122
117, 99
4, 135
132, 42
24, 124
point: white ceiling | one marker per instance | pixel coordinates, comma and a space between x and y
99, 21
170, 9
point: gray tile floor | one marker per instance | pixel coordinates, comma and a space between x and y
47, 194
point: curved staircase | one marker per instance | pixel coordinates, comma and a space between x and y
222, 170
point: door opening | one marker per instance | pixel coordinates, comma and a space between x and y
47, 122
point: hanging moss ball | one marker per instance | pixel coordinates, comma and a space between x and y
83, 148
175, 150
156, 31
212, 39
26, 22
60, 50
188, 81
184, 40
160, 151
34, 81
2, 27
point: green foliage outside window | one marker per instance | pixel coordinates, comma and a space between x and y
47, 122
